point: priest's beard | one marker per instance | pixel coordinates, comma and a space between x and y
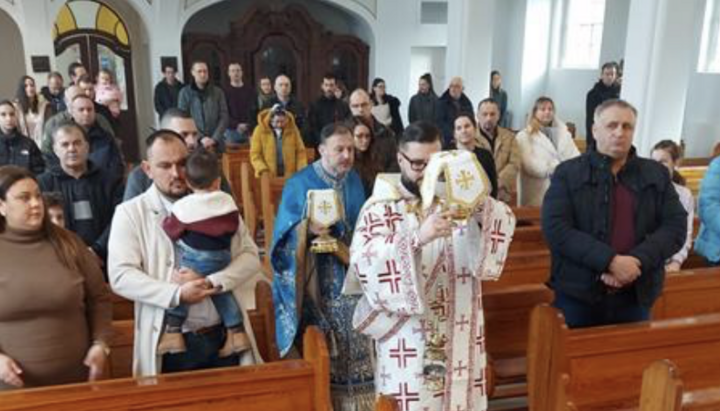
411, 186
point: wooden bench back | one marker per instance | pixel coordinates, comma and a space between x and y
601, 367
689, 292
527, 216
693, 177
285, 385
661, 388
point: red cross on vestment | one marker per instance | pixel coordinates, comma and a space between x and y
402, 352
368, 255
391, 218
392, 276
372, 222
460, 369
497, 237
464, 275
404, 396
463, 322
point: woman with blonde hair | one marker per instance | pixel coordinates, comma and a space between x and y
55, 309
543, 145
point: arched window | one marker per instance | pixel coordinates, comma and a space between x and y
92, 33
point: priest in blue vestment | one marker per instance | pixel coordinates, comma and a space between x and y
307, 286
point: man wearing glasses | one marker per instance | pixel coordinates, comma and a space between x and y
419, 276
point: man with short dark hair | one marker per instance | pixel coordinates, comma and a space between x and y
181, 123
424, 102
65, 116
325, 110
143, 266
54, 92
90, 193
87, 85
75, 71
611, 220
167, 91
307, 285
418, 272
206, 104
240, 99
607, 88
104, 151
501, 143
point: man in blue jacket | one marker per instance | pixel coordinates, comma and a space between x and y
707, 243
611, 220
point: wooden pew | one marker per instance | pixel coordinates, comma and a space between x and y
688, 293
262, 319
299, 385
661, 388
508, 308
248, 188
507, 316
523, 267
270, 194
600, 368
693, 177
527, 216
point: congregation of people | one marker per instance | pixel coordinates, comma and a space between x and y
168, 235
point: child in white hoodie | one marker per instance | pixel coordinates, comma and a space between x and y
202, 224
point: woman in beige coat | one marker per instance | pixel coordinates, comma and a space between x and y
544, 143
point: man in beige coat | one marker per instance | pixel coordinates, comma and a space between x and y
142, 268
501, 142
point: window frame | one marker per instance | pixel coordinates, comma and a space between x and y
563, 61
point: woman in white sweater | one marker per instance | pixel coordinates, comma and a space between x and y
544, 143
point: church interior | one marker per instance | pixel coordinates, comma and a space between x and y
659, 59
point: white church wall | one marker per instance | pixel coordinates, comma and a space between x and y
397, 31
701, 128
13, 65
508, 41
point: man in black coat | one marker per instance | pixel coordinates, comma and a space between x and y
607, 88
327, 109
89, 193
611, 220
449, 105
167, 91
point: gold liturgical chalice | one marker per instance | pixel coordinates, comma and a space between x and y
324, 210
455, 181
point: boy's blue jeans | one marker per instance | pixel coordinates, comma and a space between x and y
205, 262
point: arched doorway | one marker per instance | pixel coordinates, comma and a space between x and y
13, 63
272, 39
94, 34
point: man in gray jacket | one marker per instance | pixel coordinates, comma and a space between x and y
206, 104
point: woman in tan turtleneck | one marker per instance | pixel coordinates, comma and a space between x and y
55, 309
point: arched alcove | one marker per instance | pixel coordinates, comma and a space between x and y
302, 38
108, 34
13, 65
